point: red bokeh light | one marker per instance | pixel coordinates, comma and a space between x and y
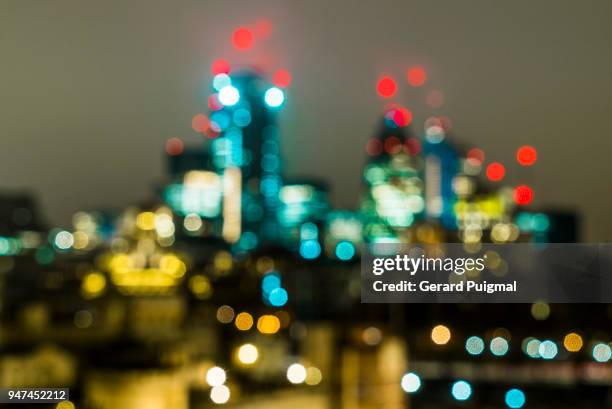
200, 123
386, 87
476, 155
446, 122
374, 147
174, 146
281, 78
212, 133
220, 66
435, 99
526, 155
263, 29
242, 38
496, 171
213, 103
416, 76
523, 195
401, 116
412, 146
392, 145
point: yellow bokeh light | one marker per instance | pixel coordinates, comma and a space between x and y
440, 335
313, 376
264, 264
65, 405
81, 240
200, 286
93, 285
268, 324
244, 321
172, 265
540, 310
573, 342
145, 221
223, 262
247, 354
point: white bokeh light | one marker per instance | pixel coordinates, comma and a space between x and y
229, 95
215, 376
274, 97
296, 373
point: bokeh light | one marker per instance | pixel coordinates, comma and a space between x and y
242, 39
440, 335
532, 348
220, 66
244, 321
278, 297
526, 155
313, 376
411, 382
573, 342
416, 76
540, 310
200, 123
548, 350
499, 346
523, 195
386, 87
281, 78
371, 336
274, 97
515, 399
229, 95
215, 376
310, 249
268, 324
248, 354
174, 146
220, 394
477, 155
345, 250
262, 29
495, 171
602, 353
474, 345
220, 81
296, 373
461, 390
225, 314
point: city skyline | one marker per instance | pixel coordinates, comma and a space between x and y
148, 93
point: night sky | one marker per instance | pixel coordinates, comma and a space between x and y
90, 91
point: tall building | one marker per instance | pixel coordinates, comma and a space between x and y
393, 183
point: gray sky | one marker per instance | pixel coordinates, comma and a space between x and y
89, 91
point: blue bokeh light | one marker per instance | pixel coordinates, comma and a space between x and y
270, 282
345, 250
278, 297
474, 345
515, 398
461, 390
310, 249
